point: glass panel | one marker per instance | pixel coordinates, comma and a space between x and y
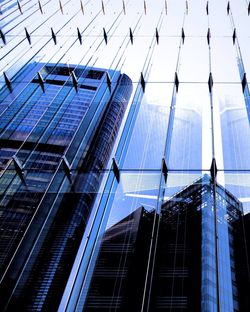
164, 59
231, 238
174, 18
186, 224
222, 54
177, 181
238, 183
123, 245
136, 55
146, 148
218, 18
194, 63
190, 138
57, 242
239, 11
230, 122
196, 20
244, 44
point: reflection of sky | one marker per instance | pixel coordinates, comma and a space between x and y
234, 123
141, 189
117, 27
238, 183
128, 199
146, 148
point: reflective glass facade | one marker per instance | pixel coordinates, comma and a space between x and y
124, 155
56, 137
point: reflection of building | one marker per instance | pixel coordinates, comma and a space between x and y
118, 277
188, 252
245, 274
55, 138
188, 274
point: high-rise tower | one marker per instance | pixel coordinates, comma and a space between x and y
186, 272
56, 137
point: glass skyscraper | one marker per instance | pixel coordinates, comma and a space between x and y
184, 266
56, 136
124, 155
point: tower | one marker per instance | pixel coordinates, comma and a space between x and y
185, 264
56, 137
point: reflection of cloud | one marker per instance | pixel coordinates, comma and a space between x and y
141, 196
135, 182
244, 199
144, 196
242, 180
226, 109
158, 94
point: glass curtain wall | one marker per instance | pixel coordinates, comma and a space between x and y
175, 181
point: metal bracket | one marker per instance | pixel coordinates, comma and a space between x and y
123, 7
131, 36
82, 8
244, 82
53, 35
2, 36
103, 9
210, 82
176, 81
40, 7
61, 7
108, 81
7, 82
116, 170
164, 169
234, 35
208, 36
105, 35
41, 81
74, 80
143, 83
27, 35
18, 167
19, 7
79, 35
213, 170
67, 168
157, 35
182, 35
228, 7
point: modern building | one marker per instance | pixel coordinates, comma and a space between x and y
56, 137
98, 202
196, 265
244, 290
